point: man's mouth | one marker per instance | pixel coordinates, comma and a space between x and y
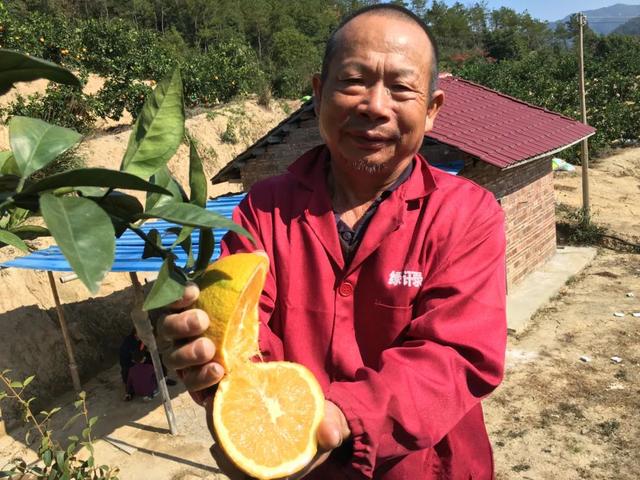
370, 140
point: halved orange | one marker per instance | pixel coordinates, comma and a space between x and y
229, 292
266, 416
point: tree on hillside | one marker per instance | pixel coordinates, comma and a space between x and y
632, 27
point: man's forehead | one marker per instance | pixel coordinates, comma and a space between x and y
378, 32
390, 26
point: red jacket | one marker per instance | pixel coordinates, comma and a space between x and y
410, 337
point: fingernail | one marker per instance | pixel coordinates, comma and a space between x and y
194, 321
216, 370
202, 349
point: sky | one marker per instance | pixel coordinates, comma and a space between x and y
549, 9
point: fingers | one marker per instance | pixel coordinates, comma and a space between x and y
202, 377
333, 428
328, 435
191, 292
196, 352
187, 324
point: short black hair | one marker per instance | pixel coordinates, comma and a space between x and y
139, 356
384, 9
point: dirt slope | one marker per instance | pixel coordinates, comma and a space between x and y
614, 191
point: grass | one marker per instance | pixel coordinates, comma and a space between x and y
608, 427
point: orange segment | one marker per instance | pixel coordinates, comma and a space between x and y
266, 416
229, 292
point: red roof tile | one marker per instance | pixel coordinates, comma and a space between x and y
499, 129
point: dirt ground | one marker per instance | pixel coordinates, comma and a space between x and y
555, 415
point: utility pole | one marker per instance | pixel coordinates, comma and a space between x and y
582, 21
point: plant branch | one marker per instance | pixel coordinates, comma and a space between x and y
28, 414
160, 251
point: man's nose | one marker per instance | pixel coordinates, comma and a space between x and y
377, 103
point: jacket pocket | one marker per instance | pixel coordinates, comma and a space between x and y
379, 328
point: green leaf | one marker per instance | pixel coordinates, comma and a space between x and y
84, 233
92, 191
9, 166
168, 287
12, 239
94, 177
92, 421
54, 410
29, 232
36, 143
158, 130
70, 422
28, 380
194, 216
8, 184
122, 205
197, 180
182, 234
15, 384
18, 67
184, 240
149, 251
172, 192
47, 457
206, 244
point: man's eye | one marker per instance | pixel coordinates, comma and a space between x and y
398, 87
353, 81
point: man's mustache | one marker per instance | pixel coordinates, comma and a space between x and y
372, 131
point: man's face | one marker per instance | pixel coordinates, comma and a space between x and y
374, 106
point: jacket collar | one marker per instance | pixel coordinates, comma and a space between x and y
310, 170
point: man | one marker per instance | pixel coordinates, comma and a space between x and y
387, 276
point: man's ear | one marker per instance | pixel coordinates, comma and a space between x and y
316, 82
437, 99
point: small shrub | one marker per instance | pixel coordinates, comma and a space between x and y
61, 105
265, 95
118, 94
56, 461
69, 160
577, 226
230, 135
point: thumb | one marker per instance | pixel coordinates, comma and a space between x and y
333, 429
329, 436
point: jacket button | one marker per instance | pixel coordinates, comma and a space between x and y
345, 289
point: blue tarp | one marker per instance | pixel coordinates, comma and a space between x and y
129, 246
454, 167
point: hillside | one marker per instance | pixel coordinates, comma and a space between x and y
632, 27
605, 20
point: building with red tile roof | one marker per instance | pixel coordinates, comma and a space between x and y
502, 143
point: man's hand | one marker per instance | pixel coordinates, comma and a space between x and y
332, 432
190, 355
